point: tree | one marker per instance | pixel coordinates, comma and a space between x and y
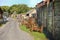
5, 8
20, 8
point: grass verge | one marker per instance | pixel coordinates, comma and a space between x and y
0, 25
36, 35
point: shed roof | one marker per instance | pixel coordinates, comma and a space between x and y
42, 3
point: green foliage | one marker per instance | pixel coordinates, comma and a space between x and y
5, 8
39, 36
23, 27
0, 25
20, 8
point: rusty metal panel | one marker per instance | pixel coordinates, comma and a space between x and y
57, 0
50, 17
45, 15
39, 16
57, 19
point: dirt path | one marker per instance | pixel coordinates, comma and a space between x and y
11, 31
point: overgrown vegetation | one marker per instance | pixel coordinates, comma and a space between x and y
36, 35
1, 25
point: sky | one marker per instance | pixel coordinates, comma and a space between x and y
30, 3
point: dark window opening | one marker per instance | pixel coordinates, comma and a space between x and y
27, 14
51, 0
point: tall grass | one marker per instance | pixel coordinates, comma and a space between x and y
36, 35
